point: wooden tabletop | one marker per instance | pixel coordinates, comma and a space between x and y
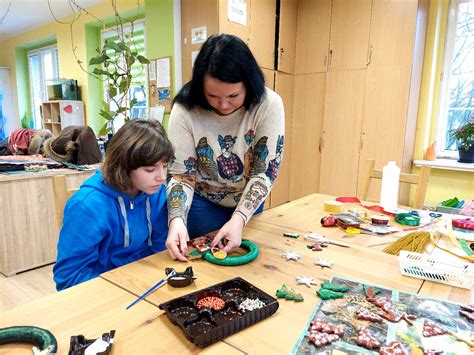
96, 307
268, 272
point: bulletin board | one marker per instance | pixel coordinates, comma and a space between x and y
160, 82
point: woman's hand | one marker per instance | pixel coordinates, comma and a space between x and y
177, 239
229, 236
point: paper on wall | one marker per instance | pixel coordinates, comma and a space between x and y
163, 72
237, 11
152, 70
198, 34
157, 112
194, 55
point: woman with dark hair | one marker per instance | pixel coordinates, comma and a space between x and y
228, 130
119, 214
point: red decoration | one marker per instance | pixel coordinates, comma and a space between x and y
390, 313
468, 315
365, 314
393, 348
367, 340
467, 224
325, 327
430, 329
68, 108
328, 221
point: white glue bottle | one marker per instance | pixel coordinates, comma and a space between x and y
390, 182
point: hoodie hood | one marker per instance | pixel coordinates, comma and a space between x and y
97, 182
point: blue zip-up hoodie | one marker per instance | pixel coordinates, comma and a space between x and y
104, 229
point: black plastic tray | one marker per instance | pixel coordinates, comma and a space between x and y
206, 326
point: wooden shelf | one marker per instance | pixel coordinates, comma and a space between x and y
446, 164
63, 113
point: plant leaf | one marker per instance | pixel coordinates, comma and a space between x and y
143, 60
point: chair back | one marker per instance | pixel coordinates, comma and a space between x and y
419, 180
61, 195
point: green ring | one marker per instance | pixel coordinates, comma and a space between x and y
407, 219
252, 252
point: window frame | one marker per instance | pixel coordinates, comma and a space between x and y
53, 49
442, 113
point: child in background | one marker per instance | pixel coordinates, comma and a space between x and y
119, 215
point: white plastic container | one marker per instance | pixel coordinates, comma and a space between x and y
390, 182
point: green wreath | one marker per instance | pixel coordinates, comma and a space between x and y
252, 252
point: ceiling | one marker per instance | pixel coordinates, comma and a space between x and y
23, 15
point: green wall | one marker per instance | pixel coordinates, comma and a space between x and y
92, 34
159, 32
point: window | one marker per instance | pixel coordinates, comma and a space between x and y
42, 66
457, 86
139, 83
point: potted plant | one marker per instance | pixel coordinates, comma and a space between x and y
115, 60
464, 136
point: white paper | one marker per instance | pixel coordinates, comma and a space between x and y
237, 11
198, 34
152, 70
163, 72
157, 112
194, 55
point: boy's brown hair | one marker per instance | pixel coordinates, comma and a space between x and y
137, 143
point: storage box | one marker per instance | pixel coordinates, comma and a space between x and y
206, 325
450, 272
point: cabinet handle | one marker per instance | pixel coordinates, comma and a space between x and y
330, 58
369, 56
185, 41
321, 144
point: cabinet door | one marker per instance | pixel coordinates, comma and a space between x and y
262, 32
284, 87
312, 36
287, 36
341, 132
350, 25
71, 113
229, 27
392, 32
308, 112
195, 14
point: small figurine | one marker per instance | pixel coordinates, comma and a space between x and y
288, 294
291, 255
323, 263
334, 287
303, 280
367, 340
325, 294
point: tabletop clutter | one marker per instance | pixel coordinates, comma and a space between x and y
349, 315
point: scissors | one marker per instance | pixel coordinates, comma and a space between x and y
434, 215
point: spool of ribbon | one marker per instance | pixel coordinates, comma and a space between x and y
407, 219
333, 206
380, 220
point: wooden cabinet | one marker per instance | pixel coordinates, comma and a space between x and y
307, 125
29, 232
332, 35
341, 132
287, 18
212, 16
60, 114
367, 107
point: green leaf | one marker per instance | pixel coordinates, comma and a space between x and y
106, 114
143, 60
96, 60
133, 102
105, 129
112, 91
98, 71
112, 45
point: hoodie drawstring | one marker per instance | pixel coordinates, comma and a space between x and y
126, 231
148, 218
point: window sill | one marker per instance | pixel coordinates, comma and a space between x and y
447, 164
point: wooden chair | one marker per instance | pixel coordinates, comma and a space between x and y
61, 195
421, 182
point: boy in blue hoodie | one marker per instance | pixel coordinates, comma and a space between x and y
119, 215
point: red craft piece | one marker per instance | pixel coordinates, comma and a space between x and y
467, 224
325, 327
321, 339
68, 108
433, 352
393, 348
469, 308
430, 329
390, 312
328, 221
468, 315
367, 340
365, 314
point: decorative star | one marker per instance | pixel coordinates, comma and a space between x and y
323, 263
303, 280
291, 255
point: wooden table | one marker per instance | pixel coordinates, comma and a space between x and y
268, 272
29, 230
96, 307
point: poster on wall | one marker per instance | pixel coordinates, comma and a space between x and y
237, 11
198, 35
160, 87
